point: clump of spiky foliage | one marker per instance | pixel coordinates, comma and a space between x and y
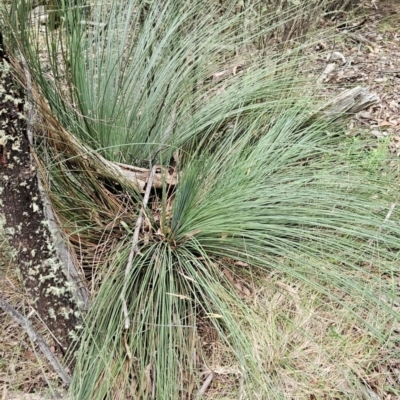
271, 230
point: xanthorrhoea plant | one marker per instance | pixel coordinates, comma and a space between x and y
264, 192
288, 204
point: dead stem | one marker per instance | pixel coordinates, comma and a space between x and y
36, 338
134, 247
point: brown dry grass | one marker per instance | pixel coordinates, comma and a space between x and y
23, 369
309, 346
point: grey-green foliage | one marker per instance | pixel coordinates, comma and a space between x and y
267, 207
260, 184
134, 73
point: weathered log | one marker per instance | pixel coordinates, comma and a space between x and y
24, 221
129, 175
350, 101
64, 252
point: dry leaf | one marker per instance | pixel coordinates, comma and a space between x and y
393, 105
242, 288
246, 291
378, 133
336, 56
241, 264
384, 123
147, 374
29, 355
228, 275
365, 115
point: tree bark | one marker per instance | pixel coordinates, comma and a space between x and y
23, 219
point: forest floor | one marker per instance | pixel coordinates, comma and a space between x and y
366, 54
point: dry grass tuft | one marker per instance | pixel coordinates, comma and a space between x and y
309, 346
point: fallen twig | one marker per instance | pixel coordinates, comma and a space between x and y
134, 247
327, 71
388, 215
130, 175
205, 385
36, 338
360, 39
388, 71
355, 26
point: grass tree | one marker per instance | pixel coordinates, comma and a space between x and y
236, 242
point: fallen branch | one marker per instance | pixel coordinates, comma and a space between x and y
205, 385
140, 176
21, 205
134, 247
64, 255
36, 338
387, 218
129, 175
351, 101
327, 71
360, 39
91, 160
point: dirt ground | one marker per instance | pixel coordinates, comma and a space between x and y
368, 54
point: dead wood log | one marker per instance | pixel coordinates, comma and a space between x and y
351, 101
129, 175
64, 253
24, 221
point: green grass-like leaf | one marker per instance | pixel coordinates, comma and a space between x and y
272, 263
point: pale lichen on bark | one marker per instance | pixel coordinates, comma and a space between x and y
23, 220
